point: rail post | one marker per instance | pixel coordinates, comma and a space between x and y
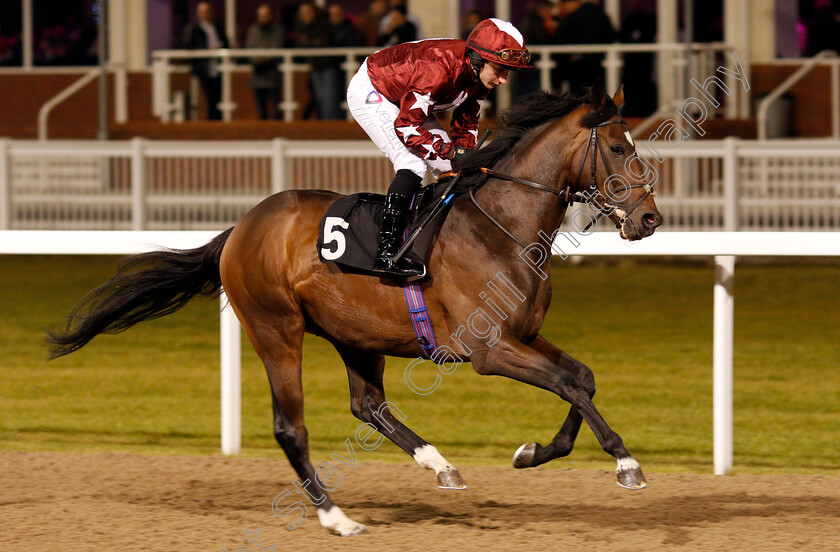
227, 104
120, 93
730, 184
161, 102
723, 348
5, 185
231, 378
545, 64
138, 184
724, 312
278, 165
835, 98
288, 105
612, 64
350, 66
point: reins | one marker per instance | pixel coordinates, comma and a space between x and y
566, 194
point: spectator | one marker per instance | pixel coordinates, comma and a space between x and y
342, 35
539, 26
83, 46
471, 19
400, 5
587, 24
638, 26
312, 30
265, 33
823, 29
10, 49
399, 29
206, 34
52, 46
342, 32
368, 24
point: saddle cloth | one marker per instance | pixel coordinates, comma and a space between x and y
348, 235
349, 231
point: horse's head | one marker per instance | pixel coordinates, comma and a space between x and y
606, 171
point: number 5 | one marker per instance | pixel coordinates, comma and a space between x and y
332, 235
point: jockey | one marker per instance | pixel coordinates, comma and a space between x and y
394, 96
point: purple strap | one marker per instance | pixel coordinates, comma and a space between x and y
419, 313
420, 318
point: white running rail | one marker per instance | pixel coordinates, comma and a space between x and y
723, 246
790, 185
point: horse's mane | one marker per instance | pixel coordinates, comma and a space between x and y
529, 112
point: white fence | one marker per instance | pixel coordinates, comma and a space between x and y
723, 246
161, 185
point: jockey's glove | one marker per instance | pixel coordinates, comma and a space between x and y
456, 155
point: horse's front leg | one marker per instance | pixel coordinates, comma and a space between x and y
515, 360
531, 455
367, 402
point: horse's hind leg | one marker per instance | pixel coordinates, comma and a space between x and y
530, 365
367, 402
531, 455
278, 340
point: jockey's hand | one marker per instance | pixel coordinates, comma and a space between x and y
456, 155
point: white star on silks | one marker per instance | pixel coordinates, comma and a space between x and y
429, 147
423, 101
439, 133
474, 133
408, 131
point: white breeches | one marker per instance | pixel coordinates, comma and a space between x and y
376, 115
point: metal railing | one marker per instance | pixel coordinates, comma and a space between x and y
165, 62
64, 95
693, 61
86, 75
828, 57
702, 185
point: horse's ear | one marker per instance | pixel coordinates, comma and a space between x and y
618, 98
597, 95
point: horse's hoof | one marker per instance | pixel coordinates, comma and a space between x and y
631, 478
352, 530
451, 479
334, 520
524, 456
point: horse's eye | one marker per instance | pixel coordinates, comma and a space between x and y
617, 150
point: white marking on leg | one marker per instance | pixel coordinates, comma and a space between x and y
428, 457
627, 463
335, 520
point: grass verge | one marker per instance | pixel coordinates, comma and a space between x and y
645, 328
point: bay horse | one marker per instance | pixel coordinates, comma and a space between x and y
271, 273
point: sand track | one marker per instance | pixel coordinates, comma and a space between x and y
62, 501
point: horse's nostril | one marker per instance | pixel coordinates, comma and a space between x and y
650, 219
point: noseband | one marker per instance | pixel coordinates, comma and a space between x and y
569, 197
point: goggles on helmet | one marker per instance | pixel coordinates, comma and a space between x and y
514, 56
507, 55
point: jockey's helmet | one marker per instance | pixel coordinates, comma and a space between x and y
500, 42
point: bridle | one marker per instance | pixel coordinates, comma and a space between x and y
569, 197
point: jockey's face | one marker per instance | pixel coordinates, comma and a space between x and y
493, 75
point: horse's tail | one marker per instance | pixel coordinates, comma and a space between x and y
147, 286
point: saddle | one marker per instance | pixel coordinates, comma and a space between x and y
348, 232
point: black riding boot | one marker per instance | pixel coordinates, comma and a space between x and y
394, 216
